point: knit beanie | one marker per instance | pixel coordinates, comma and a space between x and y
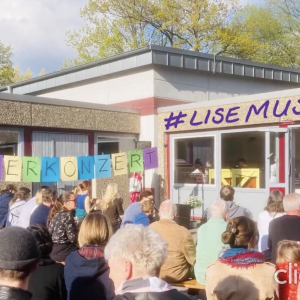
18, 249
141, 219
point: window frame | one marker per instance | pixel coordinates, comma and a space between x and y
20, 143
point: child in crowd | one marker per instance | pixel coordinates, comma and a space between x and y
288, 259
143, 217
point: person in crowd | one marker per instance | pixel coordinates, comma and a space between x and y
181, 248
47, 282
28, 208
201, 171
20, 198
240, 271
19, 257
287, 226
83, 199
288, 256
62, 226
241, 163
86, 271
112, 205
135, 208
135, 255
41, 213
273, 210
6, 196
143, 218
234, 210
209, 244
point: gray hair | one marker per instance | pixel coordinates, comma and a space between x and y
167, 210
218, 208
291, 202
142, 246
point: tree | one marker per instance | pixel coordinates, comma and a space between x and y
116, 26
6, 68
19, 76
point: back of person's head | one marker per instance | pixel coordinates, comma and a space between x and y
227, 193
59, 205
39, 194
19, 254
23, 193
241, 160
145, 195
43, 239
48, 195
111, 194
142, 246
167, 210
291, 202
10, 188
218, 209
275, 202
84, 185
95, 229
241, 232
147, 207
288, 251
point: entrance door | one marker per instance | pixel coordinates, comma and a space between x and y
294, 171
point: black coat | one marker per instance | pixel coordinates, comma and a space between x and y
47, 282
168, 295
10, 293
4, 201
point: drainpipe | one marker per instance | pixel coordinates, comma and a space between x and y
9, 89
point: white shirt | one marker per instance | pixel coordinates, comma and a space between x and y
25, 212
264, 219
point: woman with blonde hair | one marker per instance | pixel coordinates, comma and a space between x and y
82, 192
241, 271
273, 210
62, 226
86, 271
112, 205
15, 206
288, 263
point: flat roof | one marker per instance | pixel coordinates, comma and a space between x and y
232, 100
155, 55
60, 102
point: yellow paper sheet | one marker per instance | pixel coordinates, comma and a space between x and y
12, 168
68, 169
119, 163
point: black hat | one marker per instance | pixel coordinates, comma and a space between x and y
18, 249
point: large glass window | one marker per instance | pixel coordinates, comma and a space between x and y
8, 143
194, 160
243, 159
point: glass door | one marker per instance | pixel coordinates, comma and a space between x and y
294, 155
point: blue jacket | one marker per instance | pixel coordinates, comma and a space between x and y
87, 278
4, 201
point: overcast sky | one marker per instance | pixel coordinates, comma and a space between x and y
36, 30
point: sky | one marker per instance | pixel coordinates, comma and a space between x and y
36, 30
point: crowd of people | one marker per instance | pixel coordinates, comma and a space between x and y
71, 246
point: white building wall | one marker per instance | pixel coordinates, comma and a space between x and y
195, 86
127, 87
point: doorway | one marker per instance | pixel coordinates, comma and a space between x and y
294, 159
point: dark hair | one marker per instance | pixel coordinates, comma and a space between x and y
275, 202
48, 194
44, 187
43, 238
21, 194
8, 188
239, 232
227, 193
59, 205
198, 162
144, 194
241, 160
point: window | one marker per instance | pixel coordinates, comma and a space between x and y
107, 146
243, 159
8, 143
194, 160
